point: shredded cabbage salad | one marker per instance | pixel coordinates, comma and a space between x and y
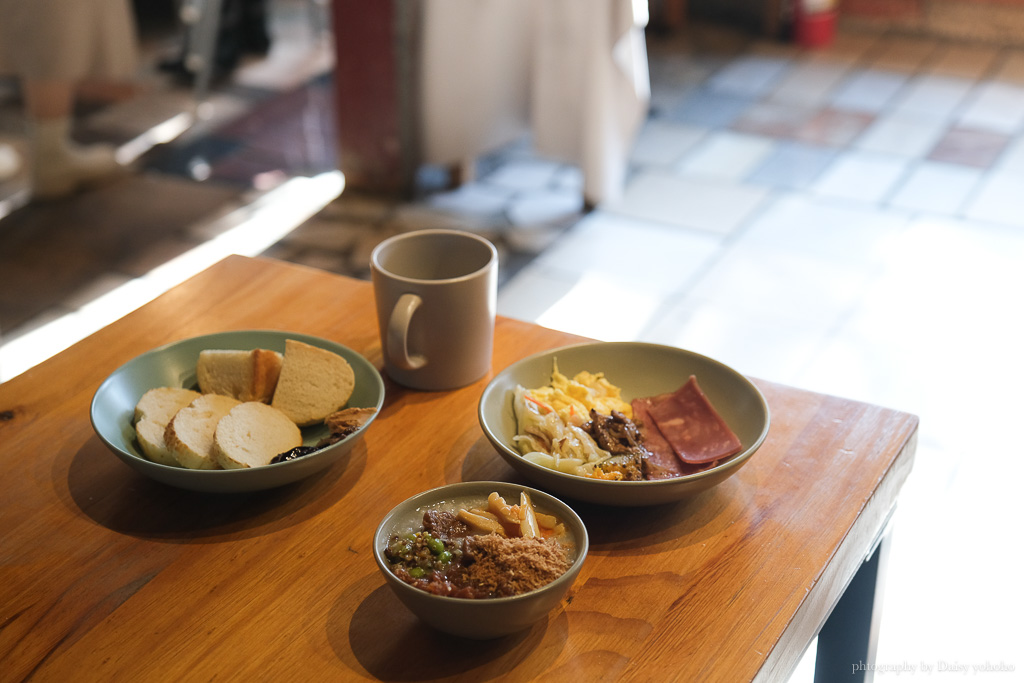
550, 421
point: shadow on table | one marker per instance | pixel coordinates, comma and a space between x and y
382, 638
117, 497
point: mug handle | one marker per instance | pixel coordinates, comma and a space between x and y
398, 333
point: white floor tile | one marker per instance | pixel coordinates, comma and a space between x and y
758, 345
997, 107
627, 252
901, 135
576, 303
937, 188
999, 199
726, 155
832, 231
932, 97
532, 291
690, 203
861, 176
1012, 159
782, 283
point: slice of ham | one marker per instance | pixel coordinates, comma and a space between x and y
662, 462
696, 432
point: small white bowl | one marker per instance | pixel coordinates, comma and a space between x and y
488, 617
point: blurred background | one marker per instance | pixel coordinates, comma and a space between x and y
826, 195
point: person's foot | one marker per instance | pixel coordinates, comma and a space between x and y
77, 168
10, 162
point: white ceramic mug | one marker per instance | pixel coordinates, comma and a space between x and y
436, 293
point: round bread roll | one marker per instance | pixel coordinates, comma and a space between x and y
159, 405
251, 434
152, 413
189, 434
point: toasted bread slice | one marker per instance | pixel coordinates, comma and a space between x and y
189, 434
313, 384
252, 434
152, 413
244, 375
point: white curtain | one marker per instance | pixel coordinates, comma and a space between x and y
574, 72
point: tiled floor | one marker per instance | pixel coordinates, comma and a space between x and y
849, 221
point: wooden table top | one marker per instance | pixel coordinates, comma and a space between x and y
107, 575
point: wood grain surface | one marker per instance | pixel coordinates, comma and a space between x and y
106, 575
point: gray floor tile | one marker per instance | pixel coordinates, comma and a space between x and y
662, 143
792, 165
703, 107
868, 91
809, 83
749, 76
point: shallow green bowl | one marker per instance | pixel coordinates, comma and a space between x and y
113, 407
639, 369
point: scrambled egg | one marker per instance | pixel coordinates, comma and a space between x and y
573, 398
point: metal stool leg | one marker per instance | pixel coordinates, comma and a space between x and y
204, 19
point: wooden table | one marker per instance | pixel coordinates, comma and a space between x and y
106, 575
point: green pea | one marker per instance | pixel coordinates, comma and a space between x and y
436, 546
445, 557
417, 572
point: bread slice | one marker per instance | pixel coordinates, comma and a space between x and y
252, 434
160, 404
189, 434
152, 413
313, 384
244, 375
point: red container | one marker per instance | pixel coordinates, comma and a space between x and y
813, 28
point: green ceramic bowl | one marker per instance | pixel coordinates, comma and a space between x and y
113, 407
639, 369
479, 618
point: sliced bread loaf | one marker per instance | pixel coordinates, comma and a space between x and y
160, 404
189, 434
251, 434
313, 384
244, 375
152, 413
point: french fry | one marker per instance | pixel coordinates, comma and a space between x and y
545, 521
485, 524
527, 516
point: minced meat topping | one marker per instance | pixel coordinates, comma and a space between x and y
509, 566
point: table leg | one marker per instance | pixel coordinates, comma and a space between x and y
848, 641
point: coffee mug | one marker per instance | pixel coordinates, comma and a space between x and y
436, 293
